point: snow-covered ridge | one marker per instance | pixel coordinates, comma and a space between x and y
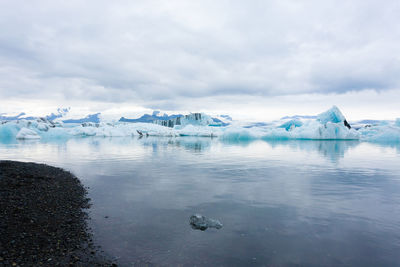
330, 124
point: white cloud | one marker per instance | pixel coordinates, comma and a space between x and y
156, 53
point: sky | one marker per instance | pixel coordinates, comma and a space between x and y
254, 60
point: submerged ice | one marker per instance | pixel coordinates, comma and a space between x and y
328, 125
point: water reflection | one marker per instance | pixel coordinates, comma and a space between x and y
193, 144
281, 202
331, 149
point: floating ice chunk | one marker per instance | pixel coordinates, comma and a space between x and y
313, 130
26, 133
200, 222
8, 131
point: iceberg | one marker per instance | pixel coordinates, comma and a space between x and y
121, 129
26, 133
333, 115
200, 119
380, 133
179, 119
8, 131
329, 125
196, 130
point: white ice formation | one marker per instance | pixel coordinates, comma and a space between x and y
26, 133
199, 119
328, 125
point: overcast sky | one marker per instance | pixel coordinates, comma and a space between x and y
252, 59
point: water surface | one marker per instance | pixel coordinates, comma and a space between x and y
307, 203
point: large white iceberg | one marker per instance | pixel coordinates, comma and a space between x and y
330, 124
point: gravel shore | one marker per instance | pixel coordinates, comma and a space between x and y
43, 218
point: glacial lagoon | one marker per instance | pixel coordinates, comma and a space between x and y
281, 203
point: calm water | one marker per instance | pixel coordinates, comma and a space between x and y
307, 203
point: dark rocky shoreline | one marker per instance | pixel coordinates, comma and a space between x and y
43, 218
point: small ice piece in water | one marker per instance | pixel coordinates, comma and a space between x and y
199, 222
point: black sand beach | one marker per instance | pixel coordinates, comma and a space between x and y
43, 219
